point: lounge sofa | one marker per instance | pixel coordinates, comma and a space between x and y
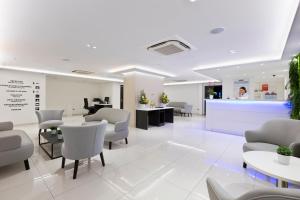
181, 108
15, 145
274, 133
118, 122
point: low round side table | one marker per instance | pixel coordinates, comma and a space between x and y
267, 163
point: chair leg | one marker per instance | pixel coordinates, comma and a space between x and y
63, 161
126, 140
244, 165
102, 159
26, 163
110, 143
75, 169
191, 115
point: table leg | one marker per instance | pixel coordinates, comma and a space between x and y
51, 151
282, 184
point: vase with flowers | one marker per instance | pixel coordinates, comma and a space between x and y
143, 101
164, 100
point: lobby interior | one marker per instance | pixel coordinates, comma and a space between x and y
150, 100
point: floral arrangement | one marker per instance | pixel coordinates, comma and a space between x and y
143, 98
164, 98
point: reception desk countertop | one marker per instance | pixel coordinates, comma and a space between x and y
237, 116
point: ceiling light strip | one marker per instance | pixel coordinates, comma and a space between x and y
141, 69
60, 73
238, 62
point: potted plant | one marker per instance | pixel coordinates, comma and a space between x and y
164, 100
284, 155
143, 99
211, 93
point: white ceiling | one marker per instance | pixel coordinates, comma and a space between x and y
40, 33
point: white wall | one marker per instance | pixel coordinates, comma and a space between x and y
276, 84
18, 100
111, 90
190, 93
133, 84
68, 93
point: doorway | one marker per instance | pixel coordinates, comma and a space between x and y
121, 96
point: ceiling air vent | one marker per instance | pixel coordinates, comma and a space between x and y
169, 47
78, 71
180, 81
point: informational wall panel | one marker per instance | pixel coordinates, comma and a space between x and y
21, 94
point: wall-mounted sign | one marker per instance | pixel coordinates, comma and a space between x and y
21, 94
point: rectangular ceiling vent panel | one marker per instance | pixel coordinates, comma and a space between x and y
169, 47
78, 71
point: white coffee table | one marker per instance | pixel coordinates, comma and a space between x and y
266, 163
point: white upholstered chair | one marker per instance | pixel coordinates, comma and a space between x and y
82, 142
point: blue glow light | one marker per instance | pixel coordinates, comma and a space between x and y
248, 102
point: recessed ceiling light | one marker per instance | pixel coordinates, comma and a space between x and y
192, 1
262, 64
233, 51
91, 46
263, 72
217, 30
218, 69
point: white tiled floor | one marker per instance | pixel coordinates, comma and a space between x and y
169, 162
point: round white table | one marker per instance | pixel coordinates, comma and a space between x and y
267, 163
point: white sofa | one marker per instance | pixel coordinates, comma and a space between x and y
15, 145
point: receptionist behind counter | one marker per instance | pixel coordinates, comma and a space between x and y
243, 93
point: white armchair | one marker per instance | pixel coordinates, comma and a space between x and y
82, 142
216, 192
118, 122
274, 133
49, 119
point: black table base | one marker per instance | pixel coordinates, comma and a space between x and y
155, 117
52, 140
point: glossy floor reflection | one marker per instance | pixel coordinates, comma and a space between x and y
169, 162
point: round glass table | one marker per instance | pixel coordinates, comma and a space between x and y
267, 163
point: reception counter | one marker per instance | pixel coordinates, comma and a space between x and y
153, 116
236, 116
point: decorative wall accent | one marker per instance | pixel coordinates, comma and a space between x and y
21, 94
294, 76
